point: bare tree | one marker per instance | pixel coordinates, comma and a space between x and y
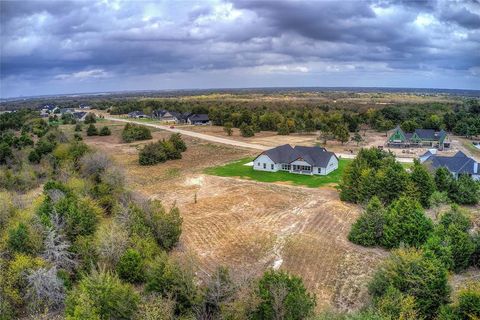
279, 292
124, 216
220, 288
114, 176
111, 242
56, 246
154, 307
95, 164
55, 195
45, 289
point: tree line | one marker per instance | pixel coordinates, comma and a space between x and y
413, 282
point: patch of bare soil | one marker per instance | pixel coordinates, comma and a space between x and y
251, 226
254, 226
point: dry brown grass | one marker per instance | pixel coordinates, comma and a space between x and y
349, 100
251, 226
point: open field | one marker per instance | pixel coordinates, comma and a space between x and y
250, 226
266, 139
300, 98
240, 170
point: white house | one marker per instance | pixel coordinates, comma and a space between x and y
302, 160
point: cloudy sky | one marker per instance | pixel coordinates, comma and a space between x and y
93, 46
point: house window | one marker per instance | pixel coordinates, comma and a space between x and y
271, 166
264, 166
301, 168
258, 164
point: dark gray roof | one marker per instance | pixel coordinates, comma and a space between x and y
441, 134
426, 134
315, 156
199, 117
136, 113
79, 114
49, 107
158, 113
426, 154
459, 163
460, 154
176, 114
180, 116
163, 113
282, 154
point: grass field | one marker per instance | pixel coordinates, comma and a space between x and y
470, 147
240, 170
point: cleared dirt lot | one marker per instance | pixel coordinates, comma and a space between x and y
251, 226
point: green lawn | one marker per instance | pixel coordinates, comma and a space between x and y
238, 169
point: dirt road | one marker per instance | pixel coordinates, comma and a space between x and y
223, 140
195, 134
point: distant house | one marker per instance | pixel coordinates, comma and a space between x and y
458, 164
198, 119
168, 116
302, 160
66, 110
419, 138
79, 115
84, 106
137, 114
49, 109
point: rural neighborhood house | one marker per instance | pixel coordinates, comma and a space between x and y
303, 160
418, 138
169, 116
137, 114
459, 164
180, 118
198, 119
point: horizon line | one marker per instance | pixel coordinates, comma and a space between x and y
56, 95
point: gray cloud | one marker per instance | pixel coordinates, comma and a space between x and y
462, 16
47, 41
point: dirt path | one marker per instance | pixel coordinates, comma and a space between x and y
224, 140
195, 134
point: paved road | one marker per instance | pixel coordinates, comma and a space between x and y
223, 140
